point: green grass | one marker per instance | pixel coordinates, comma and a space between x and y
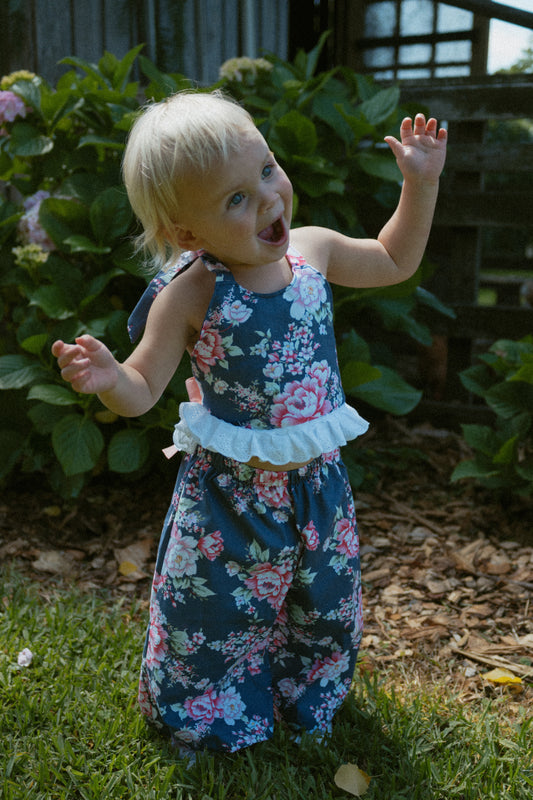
70, 728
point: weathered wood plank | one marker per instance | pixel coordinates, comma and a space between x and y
87, 30
493, 97
53, 37
492, 158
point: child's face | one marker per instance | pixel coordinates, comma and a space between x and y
240, 211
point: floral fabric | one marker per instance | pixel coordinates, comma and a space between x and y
269, 360
256, 604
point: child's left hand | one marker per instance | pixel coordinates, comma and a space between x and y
422, 151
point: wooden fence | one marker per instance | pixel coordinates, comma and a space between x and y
192, 37
486, 196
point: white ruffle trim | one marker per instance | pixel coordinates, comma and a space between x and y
295, 443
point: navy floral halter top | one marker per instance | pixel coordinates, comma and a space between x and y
267, 368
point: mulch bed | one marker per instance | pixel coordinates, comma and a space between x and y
447, 569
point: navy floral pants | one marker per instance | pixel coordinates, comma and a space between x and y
256, 612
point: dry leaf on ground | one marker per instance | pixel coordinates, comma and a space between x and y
351, 779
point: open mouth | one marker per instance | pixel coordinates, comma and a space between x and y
275, 233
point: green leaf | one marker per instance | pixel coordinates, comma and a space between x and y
123, 68
525, 470
127, 451
18, 371
26, 141
380, 166
354, 348
481, 438
379, 107
87, 67
54, 395
297, 133
53, 301
477, 379
105, 141
82, 244
357, 373
389, 393
508, 399
430, 300
507, 452
63, 218
472, 469
34, 344
525, 373
77, 443
111, 215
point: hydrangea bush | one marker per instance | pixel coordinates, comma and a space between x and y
67, 261
503, 451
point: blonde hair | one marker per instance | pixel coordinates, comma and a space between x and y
189, 132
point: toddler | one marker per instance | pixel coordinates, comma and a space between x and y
255, 613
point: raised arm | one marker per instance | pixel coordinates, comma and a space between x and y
396, 253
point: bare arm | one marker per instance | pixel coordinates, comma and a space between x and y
133, 387
396, 253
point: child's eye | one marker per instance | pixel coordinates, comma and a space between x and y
268, 169
237, 198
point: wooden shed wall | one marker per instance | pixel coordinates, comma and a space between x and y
189, 36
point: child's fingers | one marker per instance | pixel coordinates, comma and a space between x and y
420, 125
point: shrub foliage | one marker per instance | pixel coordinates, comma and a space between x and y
68, 265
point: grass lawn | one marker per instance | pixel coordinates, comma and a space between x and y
70, 728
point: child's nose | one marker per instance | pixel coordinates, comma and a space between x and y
269, 197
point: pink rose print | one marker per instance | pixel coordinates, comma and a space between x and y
288, 688
202, 707
307, 294
348, 543
157, 648
236, 312
209, 349
330, 668
229, 706
145, 701
271, 488
211, 545
310, 535
300, 402
181, 556
270, 583
321, 371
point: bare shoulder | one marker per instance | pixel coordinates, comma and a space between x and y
313, 243
183, 303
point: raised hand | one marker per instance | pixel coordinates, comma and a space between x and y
87, 365
422, 150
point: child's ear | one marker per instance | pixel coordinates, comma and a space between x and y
186, 238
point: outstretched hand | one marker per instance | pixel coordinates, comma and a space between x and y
87, 365
422, 150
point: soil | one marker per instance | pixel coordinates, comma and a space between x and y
447, 568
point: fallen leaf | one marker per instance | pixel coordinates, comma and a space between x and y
352, 780
502, 676
132, 559
127, 568
53, 561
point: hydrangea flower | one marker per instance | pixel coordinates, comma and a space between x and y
29, 228
238, 69
19, 75
11, 107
